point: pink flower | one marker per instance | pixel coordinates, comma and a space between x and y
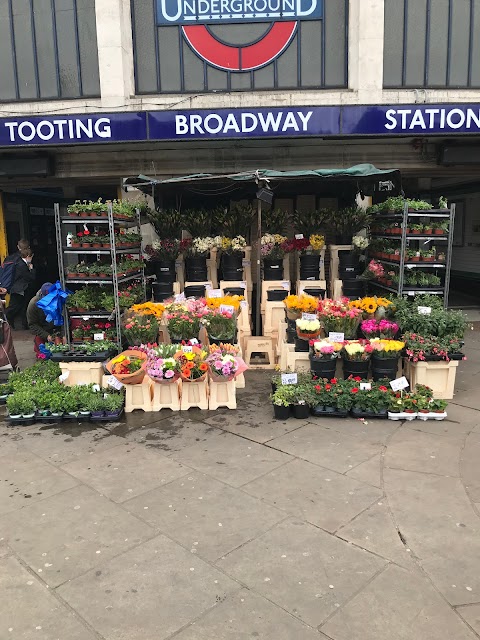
169, 374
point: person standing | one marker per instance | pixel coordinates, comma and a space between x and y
37, 321
23, 279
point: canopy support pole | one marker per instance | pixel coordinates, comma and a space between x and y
259, 270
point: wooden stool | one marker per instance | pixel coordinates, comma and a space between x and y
282, 337
284, 350
314, 284
337, 290
240, 380
222, 394
335, 262
267, 285
260, 345
274, 314
138, 396
297, 361
166, 396
194, 394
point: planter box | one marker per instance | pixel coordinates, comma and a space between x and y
439, 376
402, 416
357, 413
432, 416
82, 373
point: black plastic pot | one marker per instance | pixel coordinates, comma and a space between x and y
384, 368
230, 340
301, 411
323, 368
276, 294
356, 369
316, 292
272, 269
330, 412
165, 270
291, 335
234, 291
161, 291
232, 268
349, 265
196, 267
301, 346
292, 324
310, 267
195, 291
353, 288
280, 412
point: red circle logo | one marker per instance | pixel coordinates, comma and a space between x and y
240, 58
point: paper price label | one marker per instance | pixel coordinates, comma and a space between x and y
246, 263
365, 386
194, 341
243, 304
299, 236
336, 337
289, 378
227, 308
96, 387
63, 376
214, 293
114, 383
187, 348
179, 297
399, 384
286, 285
243, 284
99, 336
178, 265
424, 311
309, 316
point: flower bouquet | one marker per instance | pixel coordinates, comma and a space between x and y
139, 330
338, 317
356, 358
183, 325
296, 305
222, 367
373, 271
127, 367
323, 358
273, 246
384, 329
162, 370
308, 329
193, 367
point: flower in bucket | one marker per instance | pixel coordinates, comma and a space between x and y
338, 317
357, 351
141, 330
387, 348
374, 270
227, 301
379, 328
192, 363
307, 327
360, 243
148, 309
274, 246
296, 305
325, 350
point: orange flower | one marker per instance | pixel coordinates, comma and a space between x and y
189, 365
203, 367
186, 372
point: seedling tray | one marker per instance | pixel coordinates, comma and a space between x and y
109, 418
369, 414
321, 413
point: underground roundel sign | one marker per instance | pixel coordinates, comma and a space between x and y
195, 18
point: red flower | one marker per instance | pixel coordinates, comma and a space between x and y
334, 381
355, 390
318, 387
382, 388
357, 379
328, 387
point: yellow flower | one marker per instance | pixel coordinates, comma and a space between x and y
189, 355
148, 309
226, 243
232, 301
317, 241
279, 239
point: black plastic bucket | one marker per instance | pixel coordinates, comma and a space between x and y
165, 270
196, 268
310, 267
301, 346
316, 292
161, 291
232, 268
234, 291
272, 269
384, 368
195, 291
356, 369
323, 368
276, 295
353, 288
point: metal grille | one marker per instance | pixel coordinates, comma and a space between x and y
317, 57
432, 44
48, 50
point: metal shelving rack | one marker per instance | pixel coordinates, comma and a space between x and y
114, 280
403, 264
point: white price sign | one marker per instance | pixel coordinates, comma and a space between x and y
99, 336
299, 236
179, 297
214, 293
114, 383
245, 263
399, 384
243, 284
227, 308
309, 316
243, 304
187, 348
194, 341
424, 311
96, 387
64, 376
365, 386
336, 337
286, 285
289, 378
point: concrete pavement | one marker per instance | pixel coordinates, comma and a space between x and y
231, 525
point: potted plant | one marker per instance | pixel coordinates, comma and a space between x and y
301, 400
127, 367
282, 401
385, 356
57, 404
372, 403
162, 255
5, 391
21, 405
221, 326
232, 254
323, 358
183, 324
416, 229
70, 402
356, 356
114, 405
307, 329
96, 405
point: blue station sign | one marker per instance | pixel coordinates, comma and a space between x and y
185, 12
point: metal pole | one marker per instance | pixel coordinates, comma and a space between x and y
259, 270
113, 249
61, 268
451, 229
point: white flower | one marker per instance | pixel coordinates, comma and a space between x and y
360, 242
238, 243
268, 238
203, 245
308, 325
217, 241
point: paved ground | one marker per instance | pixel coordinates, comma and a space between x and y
233, 526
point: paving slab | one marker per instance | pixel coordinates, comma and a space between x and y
459, 423
471, 614
320, 496
258, 426
231, 459
470, 466
247, 615
327, 448
369, 472
172, 434
374, 530
26, 478
437, 520
304, 570
148, 592
372, 431
205, 515
418, 451
29, 611
125, 471
397, 605
68, 534
10, 444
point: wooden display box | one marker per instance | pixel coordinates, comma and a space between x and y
439, 376
82, 373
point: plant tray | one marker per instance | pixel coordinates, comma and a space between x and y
356, 413
432, 416
402, 416
26, 422
109, 418
321, 413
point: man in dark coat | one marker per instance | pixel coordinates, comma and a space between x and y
23, 280
37, 321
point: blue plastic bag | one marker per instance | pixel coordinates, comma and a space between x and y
52, 304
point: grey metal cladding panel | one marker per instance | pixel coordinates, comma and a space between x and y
393, 53
287, 66
43, 16
87, 38
241, 81
264, 78
311, 61
416, 33
236, 33
475, 78
193, 69
7, 76
145, 33
335, 45
22, 28
216, 79
169, 58
437, 65
460, 43
67, 53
